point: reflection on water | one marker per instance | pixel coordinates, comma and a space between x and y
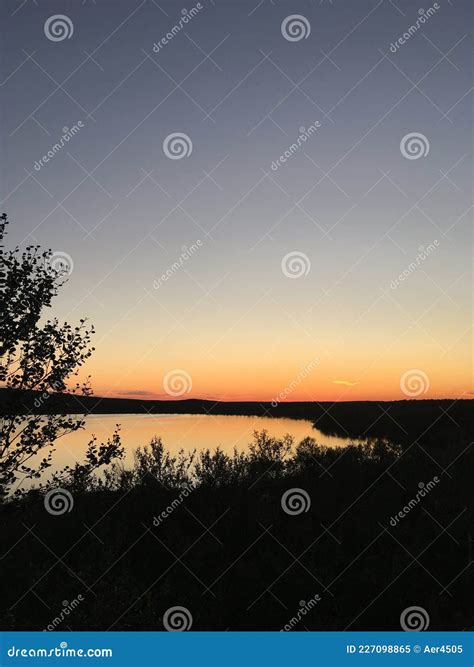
186, 432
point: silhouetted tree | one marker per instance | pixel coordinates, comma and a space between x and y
39, 356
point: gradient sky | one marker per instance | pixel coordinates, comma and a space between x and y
348, 199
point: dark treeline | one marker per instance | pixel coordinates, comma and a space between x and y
210, 533
400, 421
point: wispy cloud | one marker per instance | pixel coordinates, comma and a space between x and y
346, 383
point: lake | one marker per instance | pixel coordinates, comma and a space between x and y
186, 432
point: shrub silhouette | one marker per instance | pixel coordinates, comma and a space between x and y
228, 552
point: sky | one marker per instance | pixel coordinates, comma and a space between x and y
211, 268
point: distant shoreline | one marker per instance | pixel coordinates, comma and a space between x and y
32, 402
402, 421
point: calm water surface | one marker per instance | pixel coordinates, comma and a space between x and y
186, 432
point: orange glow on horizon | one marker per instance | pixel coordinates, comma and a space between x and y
370, 364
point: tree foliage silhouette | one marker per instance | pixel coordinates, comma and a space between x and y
40, 356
